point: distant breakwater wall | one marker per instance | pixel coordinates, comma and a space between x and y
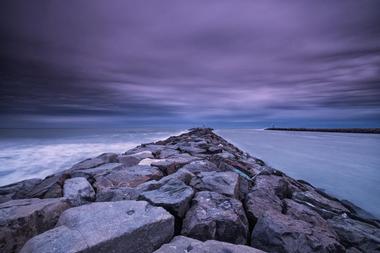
328, 130
189, 193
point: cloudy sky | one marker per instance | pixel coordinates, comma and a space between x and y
184, 63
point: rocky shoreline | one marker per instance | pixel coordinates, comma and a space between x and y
189, 193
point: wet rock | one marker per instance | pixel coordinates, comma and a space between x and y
18, 190
117, 194
174, 196
215, 216
326, 207
226, 183
24, 218
96, 171
357, 234
123, 226
95, 162
78, 191
181, 244
50, 187
182, 174
276, 232
167, 152
127, 177
128, 160
171, 164
201, 166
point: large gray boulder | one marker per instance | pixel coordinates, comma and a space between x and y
182, 244
95, 162
201, 166
19, 190
175, 196
215, 216
277, 232
226, 183
50, 187
24, 218
78, 191
356, 234
171, 164
127, 177
96, 171
123, 226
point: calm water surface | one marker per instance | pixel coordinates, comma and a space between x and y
345, 165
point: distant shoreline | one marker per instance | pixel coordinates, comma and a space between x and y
330, 130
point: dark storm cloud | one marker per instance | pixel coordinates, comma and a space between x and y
169, 62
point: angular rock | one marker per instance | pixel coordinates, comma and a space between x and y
96, 171
171, 164
117, 194
78, 191
128, 160
181, 244
50, 187
175, 196
123, 226
24, 218
354, 233
276, 232
226, 183
326, 207
95, 162
127, 177
201, 166
215, 216
182, 174
18, 190
167, 152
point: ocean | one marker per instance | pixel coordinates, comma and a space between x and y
344, 165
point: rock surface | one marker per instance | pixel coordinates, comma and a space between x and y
215, 216
78, 191
213, 190
24, 218
124, 226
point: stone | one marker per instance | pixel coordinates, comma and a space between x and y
117, 194
201, 166
127, 177
276, 232
173, 163
95, 162
182, 174
24, 218
175, 196
226, 183
215, 216
326, 207
167, 152
17, 190
182, 244
50, 187
96, 171
128, 160
117, 227
78, 191
354, 233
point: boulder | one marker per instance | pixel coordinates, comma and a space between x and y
95, 162
96, 171
182, 174
24, 218
226, 183
18, 190
354, 233
78, 191
328, 208
201, 166
171, 164
123, 226
127, 177
175, 196
117, 194
277, 232
167, 152
182, 244
50, 187
215, 216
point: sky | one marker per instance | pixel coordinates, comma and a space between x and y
189, 63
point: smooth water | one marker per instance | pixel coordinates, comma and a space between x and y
345, 165
37, 153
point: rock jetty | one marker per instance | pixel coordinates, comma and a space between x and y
189, 193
